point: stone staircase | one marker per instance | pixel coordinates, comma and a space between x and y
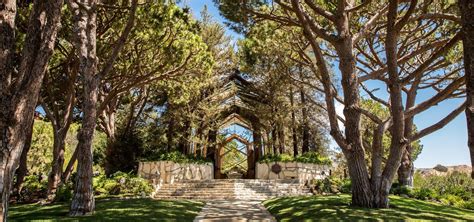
232, 189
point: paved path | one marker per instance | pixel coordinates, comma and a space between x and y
234, 210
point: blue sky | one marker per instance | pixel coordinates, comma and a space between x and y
447, 146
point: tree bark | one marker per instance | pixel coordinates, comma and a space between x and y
85, 27
467, 18
54, 178
257, 143
274, 141
69, 168
398, 140
169, 135
18, 100
23, 168
305, 128
293, 127
281, 138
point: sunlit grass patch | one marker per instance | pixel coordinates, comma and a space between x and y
337, 208
112, 210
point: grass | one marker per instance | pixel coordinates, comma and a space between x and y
337, 208
112, 210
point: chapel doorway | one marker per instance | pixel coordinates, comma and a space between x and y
234, 157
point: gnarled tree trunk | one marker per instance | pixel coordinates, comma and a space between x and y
54, 178
18, 100
84, 17
23, 167
467, 17
305, 127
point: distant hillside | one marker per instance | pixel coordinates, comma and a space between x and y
443, 170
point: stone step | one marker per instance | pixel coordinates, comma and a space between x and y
233, 188
240, 189
226, 193
241, 182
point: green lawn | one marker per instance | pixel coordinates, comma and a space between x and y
336, 208
134, 210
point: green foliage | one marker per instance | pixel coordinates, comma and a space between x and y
327, 185
34, 184
64, 193
400, 190
123, 184
124, 152
331, 185
453, 200
346, 186
368, 126
423, 193
458, 184
177, 157
454, 189
309, 157
313, 157
269, 158
99, 144
34, 188
41, 152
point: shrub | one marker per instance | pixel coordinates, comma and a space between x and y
327, 185
401, 190
468, 205
121, 183
177, 157
452, 200
313, 157
423, 194
34, 187
452, 189
309, 157
346, 186
269, 158
64, 193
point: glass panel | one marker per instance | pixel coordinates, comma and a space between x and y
234, 157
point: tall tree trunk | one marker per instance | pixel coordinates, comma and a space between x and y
407, 169
281, 138
69, 168
257, 141
467, 17
18, 101
305, 128
398, 141
23, 168
293, 125
361, 189
84, 17
170, 135
184, 141
54, 179
274, 141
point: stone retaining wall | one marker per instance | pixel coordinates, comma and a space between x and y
168, 172
291, 170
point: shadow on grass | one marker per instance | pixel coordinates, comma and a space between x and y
112, 210
337, 207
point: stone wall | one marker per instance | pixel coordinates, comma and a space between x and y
291, 170
168, 172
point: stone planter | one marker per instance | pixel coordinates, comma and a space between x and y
304, 172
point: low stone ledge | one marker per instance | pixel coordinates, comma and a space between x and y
168, 172
304, 172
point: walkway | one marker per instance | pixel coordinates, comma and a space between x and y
234, 210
